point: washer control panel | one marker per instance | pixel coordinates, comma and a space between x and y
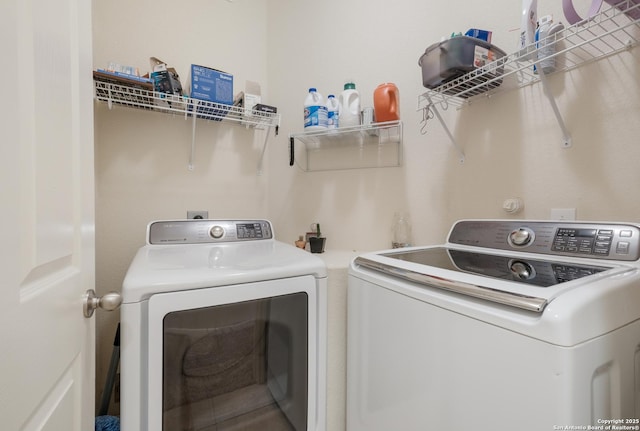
207, 231
614, 241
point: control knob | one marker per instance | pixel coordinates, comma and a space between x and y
216, 232
521, 270
520, 237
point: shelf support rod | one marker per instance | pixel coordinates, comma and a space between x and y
432, 106
264, 149
552, 101
193, 136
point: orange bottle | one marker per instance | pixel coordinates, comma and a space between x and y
386, 102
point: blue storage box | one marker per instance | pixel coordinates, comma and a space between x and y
214, 88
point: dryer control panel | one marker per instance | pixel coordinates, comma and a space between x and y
207, 231
613, 241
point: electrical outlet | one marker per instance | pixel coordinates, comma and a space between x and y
197, 214
563, 213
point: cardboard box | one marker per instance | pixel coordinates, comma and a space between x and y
168, 89
252, 96
213, 87
167, 82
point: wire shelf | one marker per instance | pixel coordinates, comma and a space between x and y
136, 96
376, 145
610, 31
373, 134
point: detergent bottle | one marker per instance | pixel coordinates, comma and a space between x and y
349, 106
315, 111
386, 102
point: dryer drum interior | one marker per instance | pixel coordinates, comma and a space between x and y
234, 364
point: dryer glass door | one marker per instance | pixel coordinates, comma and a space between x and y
227, 365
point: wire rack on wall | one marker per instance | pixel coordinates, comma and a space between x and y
135, 96
377, 145
610, 31
140, 95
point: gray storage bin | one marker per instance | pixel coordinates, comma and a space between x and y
452, 58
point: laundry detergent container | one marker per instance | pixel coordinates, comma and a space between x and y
445, 61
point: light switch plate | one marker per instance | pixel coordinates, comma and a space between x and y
563, 214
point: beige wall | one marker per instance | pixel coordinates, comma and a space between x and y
512, 141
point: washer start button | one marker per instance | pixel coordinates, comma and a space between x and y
216, 232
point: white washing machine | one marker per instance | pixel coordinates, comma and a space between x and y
509, 325
223, 328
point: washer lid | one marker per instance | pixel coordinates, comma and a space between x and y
525, 270
520, 280
168, 268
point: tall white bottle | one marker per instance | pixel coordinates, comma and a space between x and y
546, 43
315, 111
529, 21
349, 106
332, 112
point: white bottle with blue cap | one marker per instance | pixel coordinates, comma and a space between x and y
546, 44
332, 112
315, 111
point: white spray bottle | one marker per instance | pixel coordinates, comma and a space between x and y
528, 26
547, 45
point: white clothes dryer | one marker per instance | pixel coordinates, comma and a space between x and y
528, 325
223, 328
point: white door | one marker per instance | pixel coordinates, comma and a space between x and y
47, 221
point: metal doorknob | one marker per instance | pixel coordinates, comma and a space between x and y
108, 302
